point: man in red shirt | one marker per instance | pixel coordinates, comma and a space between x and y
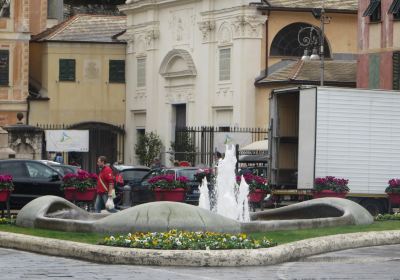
105, 185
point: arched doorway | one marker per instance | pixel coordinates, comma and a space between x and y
104, 140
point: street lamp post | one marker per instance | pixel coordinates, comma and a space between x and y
311, 37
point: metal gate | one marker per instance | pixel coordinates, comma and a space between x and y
197, 144
104, 140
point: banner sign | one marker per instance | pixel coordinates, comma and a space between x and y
223, 138
67, 140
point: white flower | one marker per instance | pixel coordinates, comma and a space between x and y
112, 238
178, 243
127, 241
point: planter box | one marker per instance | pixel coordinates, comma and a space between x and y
394, 198
87, 195
72, 194
329, 193
4, 195
177, 195
256, 195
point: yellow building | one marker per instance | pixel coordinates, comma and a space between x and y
78, 69
283, 46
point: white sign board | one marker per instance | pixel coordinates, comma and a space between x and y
223, 138
67, 140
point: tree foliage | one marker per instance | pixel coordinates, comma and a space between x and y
148, 147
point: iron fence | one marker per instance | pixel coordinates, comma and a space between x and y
197, 145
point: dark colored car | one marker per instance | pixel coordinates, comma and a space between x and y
141, 192
124, 175
193, 193
31, 179
65, 169
131, 173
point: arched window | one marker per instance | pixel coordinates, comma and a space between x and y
286, 43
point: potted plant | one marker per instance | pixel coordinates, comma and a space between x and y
80, 186
330, 186
168, 188
6, 187
258, 186
393, 191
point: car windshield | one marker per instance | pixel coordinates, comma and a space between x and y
130, 175
189, 173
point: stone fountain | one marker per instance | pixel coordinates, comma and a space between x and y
231, 216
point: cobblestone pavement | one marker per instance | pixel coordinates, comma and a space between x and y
381, 262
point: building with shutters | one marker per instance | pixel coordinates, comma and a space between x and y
78, 70
379, 44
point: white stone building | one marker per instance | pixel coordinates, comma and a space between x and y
190, 63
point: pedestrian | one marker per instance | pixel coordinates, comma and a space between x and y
105, 185
59, 158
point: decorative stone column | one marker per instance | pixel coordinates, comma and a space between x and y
5, 151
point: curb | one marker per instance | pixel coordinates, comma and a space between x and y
279, 254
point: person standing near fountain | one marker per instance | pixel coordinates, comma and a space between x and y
105, 185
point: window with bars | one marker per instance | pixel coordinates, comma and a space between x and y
224, 64
116, 71
141, 72
4, 67
395, 9
373, 11
396, 70
66, 70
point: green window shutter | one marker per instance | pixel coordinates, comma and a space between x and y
374, 64
67, 70
116, 71
396, 70
4, 67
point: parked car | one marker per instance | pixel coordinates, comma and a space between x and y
141, 192
31, 179
193, 193
130, 173
124, 175
65, 169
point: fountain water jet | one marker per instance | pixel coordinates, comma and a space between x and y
230, 200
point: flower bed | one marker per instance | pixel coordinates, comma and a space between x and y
81, 181
6, 182
387, 217
7, 221
6, 187
182, 240
394, 186
168, 182
331, 183
255, 182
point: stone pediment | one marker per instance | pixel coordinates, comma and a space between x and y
178, 63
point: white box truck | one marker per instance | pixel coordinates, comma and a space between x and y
328, 131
